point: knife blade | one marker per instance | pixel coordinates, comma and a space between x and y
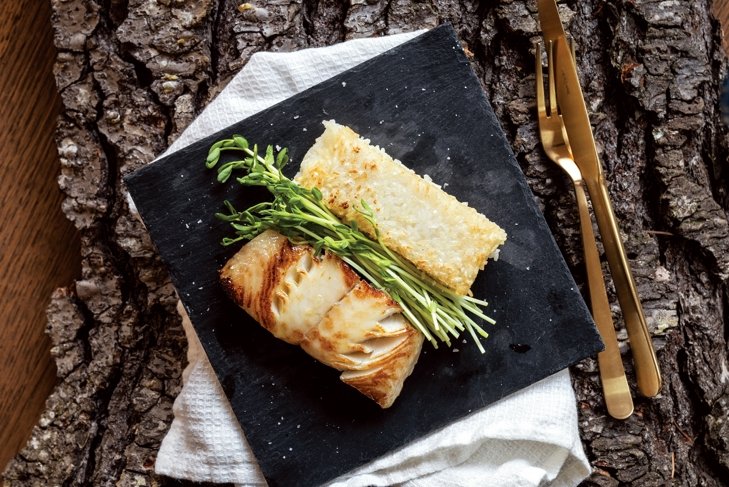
579, 131
549, 21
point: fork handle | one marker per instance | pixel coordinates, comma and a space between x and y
647, 372
615, 387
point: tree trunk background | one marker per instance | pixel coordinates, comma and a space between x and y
132, 75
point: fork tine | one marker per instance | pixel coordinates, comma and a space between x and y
553, 107
541, 108
550, 80
571, 42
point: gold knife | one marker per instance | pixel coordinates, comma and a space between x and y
549, 20
579, 131
577, 124
616, 391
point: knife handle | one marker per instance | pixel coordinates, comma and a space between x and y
646, 365
615, 387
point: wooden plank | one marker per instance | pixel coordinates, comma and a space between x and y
720, 10
39, 248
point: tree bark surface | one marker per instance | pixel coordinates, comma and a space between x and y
133, 74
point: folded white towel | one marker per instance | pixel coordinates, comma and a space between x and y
510, 443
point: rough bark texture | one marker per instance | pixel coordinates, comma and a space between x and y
133, 74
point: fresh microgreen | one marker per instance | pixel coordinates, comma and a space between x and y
301, 215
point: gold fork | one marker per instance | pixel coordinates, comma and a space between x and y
618, 400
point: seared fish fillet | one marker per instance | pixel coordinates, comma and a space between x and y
283, 287
443, 237
322, 305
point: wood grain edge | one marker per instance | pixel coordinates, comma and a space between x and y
40, 249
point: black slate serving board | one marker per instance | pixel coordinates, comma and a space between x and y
423, 104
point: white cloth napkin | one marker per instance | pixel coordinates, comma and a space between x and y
528, 439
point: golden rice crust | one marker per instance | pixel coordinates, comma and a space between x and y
443, 237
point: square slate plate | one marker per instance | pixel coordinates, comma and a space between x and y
423, 104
